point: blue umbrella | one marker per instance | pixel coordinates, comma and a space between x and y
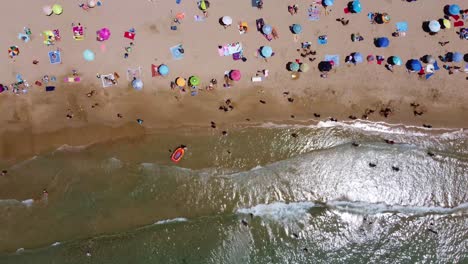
454, 10
328, 2
296, 28
414, 65
396, 60
457, 57
357, 57
266, 29
163, 69
382, 42
266, 51
88, 55
356, 6
137, 84
294, 66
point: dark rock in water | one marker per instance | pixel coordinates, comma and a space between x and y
262, 101
251, 215
372, 165
224, 133
427, 126
305, 250
354, 144
290, 99
389, 141
292, 116
295, 235
430, 230
294, 135
430, 154
316, 115
244, 222
394, 168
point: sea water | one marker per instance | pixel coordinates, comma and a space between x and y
256, 195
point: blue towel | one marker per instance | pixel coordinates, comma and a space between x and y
402, 26
54, 57
334, 58
436, 67
429, 75
176, 54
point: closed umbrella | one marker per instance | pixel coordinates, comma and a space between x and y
328, 2
434, 26
381, 42
414, 65
357, 57
88, 55
356, 6
446, 23
194, 80
163, 69
180, 82
457, 57
396, 60
57, 9
296, 28
266, 29
293, 66
47, 10
235, 75
325, 66
227, 20
454, 10
304, 67
137, 84
266, 51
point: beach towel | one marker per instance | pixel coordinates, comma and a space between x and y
370, 16
334, 58
129, 35
313, 13
78, 32
107, 80
54, 57
466, 68
49, 88
133, 73
198, 18
154, 70
402, 26
24, 37
176, 52
455, 17
429, 76
72, 79
436, 67
237, 56
260, 23
230, 49
458, 24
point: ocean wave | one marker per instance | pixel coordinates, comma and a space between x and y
68, 148
279, 211
174, 220
55, 244
14, 202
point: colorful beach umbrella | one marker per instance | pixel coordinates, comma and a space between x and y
266, 51
413, 65
180, 82
88, 55
454, 10
235, 75
304, 67
227, 20
194, 80
266, 29
446, 23
163, 69
296, 28
434, 26
104, 34
57, 9
382, 42
204, 5
357, 57
457, 57
396, 60
294, 66
356, 6
328, 2
13, 51
325, 66
47, 10
137, 84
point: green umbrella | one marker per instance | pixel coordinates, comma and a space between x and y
194, 80
293, 66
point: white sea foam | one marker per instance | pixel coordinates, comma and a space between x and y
279, 211
19, 250
28, 202
381, 208
68, 148
174, 220
55, 244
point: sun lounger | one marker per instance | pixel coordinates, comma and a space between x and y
313, 13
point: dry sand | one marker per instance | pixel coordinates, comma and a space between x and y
36, 122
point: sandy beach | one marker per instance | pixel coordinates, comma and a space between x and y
37, 121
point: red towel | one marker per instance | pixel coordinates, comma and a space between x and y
456, 17
129, 35
154, 70
458, 24
346, 10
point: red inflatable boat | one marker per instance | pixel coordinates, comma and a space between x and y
177, 154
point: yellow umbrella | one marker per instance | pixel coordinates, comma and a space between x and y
180, 82
446, 23
203, 5
57, 9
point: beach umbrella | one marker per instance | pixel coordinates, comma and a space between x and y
325, 66
446, 23
454, 10
381, 42
92, 3
457, 57
227, 20
386, 18
357, 57
396, 60
429, 59
47, 10
304, 67
434, 26
57, 9
180, 82
88, 55
294, 66
13, 51
356, 6
296, 28
328, 2
266, 29
266, 51
163, 69
204, 5
413, 65
194, 80
104, 34
235, 75
137, 84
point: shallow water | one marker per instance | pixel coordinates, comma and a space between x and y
312, 198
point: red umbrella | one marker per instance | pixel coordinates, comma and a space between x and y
235, 75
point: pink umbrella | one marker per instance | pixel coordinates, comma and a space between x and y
235, 75
103, 34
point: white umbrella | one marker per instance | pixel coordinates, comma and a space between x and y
227, 20
47, 10
434, 26
92, 3
137, 84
